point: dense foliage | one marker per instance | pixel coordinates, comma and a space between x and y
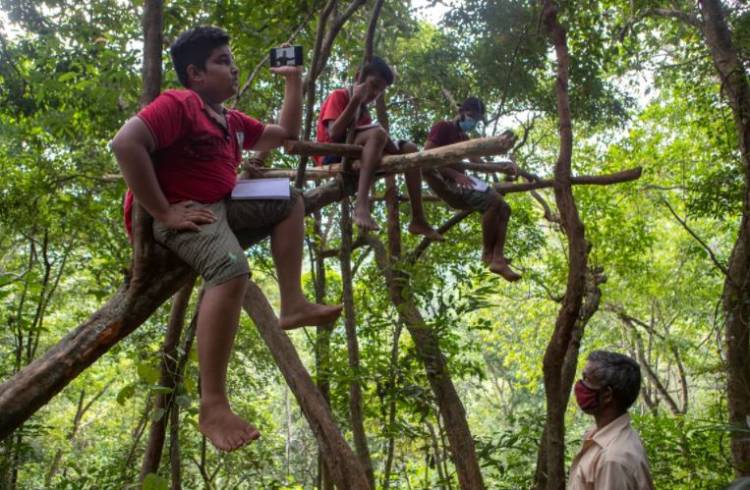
644, 93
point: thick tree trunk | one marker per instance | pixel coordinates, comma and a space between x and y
343, 466
168, 379
570, 309
736, 294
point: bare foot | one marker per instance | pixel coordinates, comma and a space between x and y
363, 219
425, 230
502, 268
486, 258
308, 315
224, 428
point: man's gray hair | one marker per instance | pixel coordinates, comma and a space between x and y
619, 372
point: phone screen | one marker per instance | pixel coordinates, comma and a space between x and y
286, 56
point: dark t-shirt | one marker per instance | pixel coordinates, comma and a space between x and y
446, 133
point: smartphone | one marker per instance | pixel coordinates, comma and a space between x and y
289, 56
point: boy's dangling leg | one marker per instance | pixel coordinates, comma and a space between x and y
499, 264
218, 318
286, 247
413, 177
373, 142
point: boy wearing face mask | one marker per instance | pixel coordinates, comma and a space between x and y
612, 456
338, 112
452, 185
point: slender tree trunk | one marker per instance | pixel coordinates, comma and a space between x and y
356, 415
137, 433
564, 334
463, 453
168, 379
175, 467
392, 397
322, 340
343, 466
153, 20
590, 306
736, 294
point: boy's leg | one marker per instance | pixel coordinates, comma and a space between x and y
286, 247
373, 142
413, 177
218, 318
494, 230
216, 255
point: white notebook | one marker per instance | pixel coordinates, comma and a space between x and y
261, 189
478, 184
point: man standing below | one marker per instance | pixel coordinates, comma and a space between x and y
612, 456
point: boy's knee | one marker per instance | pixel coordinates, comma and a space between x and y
232, 268
409, 147
379, 135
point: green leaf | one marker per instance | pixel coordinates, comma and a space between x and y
183, 401
163, 390
147, 373
125, 394
154, 482
67, 76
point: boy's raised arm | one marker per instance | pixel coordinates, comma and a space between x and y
290, 120
337, 129
132, 147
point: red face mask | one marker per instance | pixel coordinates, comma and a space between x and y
587, 398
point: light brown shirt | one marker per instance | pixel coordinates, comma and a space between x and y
612, 458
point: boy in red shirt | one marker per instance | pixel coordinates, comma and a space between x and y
338, 112
452, 185
179, 158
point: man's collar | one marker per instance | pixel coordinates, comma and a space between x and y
605, 435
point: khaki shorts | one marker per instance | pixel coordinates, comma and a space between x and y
459, 197
217, 251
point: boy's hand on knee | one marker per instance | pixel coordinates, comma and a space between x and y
182, 216
463, 181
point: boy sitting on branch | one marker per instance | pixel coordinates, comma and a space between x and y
457, 189
179, 158
340, 109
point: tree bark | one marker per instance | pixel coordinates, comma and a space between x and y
322, 339
590, 305
343, 466
168, 379
463, 453
570, 309
736, 293
356, 415
152, 22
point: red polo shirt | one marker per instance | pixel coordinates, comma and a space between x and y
331, 109
446, 133
196, 158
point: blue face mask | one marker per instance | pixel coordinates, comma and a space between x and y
467, 124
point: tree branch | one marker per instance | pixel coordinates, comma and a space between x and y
703, 244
